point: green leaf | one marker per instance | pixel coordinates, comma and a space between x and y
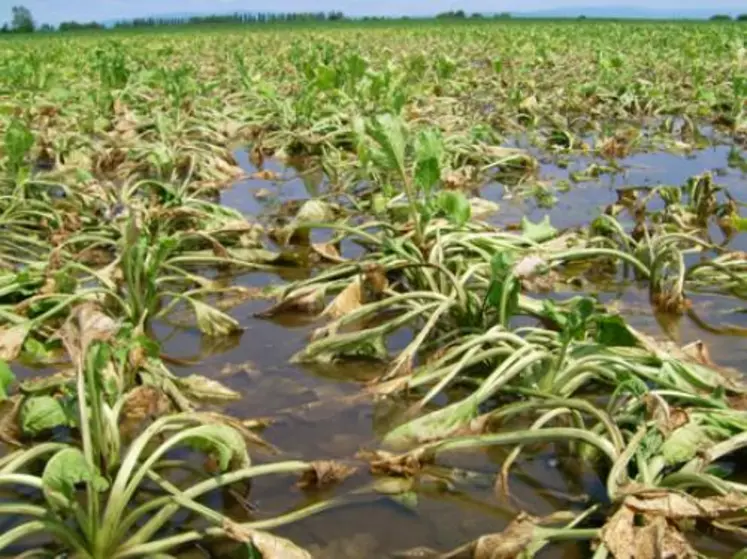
428, 153
739, 223
455, 206
35, 350
222, 441
63, 472
390, 133
41, 413
684, 444
538, 232
612, 331
6, 379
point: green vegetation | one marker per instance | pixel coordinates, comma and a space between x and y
116, 151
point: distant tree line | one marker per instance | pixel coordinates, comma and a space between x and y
22, 20
237, 18
461, 14
726, 17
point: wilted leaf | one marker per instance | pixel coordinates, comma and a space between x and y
312, 211
265, 544
41, 413
660, 538
509, 544
213, 322
9, 425
6, 379
63, 472
538, 232
392, 485
618, 534
11, 340
94, 325
202, 388
386, 463
349, 299
223, 442
699, 352
242, 428
265, 175
323, 473
48, 383
307, 301
481, 208
656, 538
684, 444
529, 266
143, 402
677, 506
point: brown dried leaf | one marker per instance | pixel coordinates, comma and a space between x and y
386, 463
508, 544
145, 401
618, 534
327, 251
94, 325
659, 538
375, 281
10, 430
698, 351
265, 175
349, 299
680, 506
324, 473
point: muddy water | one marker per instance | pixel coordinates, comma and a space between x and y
317, 412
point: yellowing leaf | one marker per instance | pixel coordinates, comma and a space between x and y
349, 299
11, 340
324, 473
305, 301
684, 444
203, 388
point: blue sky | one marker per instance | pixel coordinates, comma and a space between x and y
54, 11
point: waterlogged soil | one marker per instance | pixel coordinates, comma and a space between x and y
319, 412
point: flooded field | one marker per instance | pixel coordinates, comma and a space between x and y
319, 412
451, 291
